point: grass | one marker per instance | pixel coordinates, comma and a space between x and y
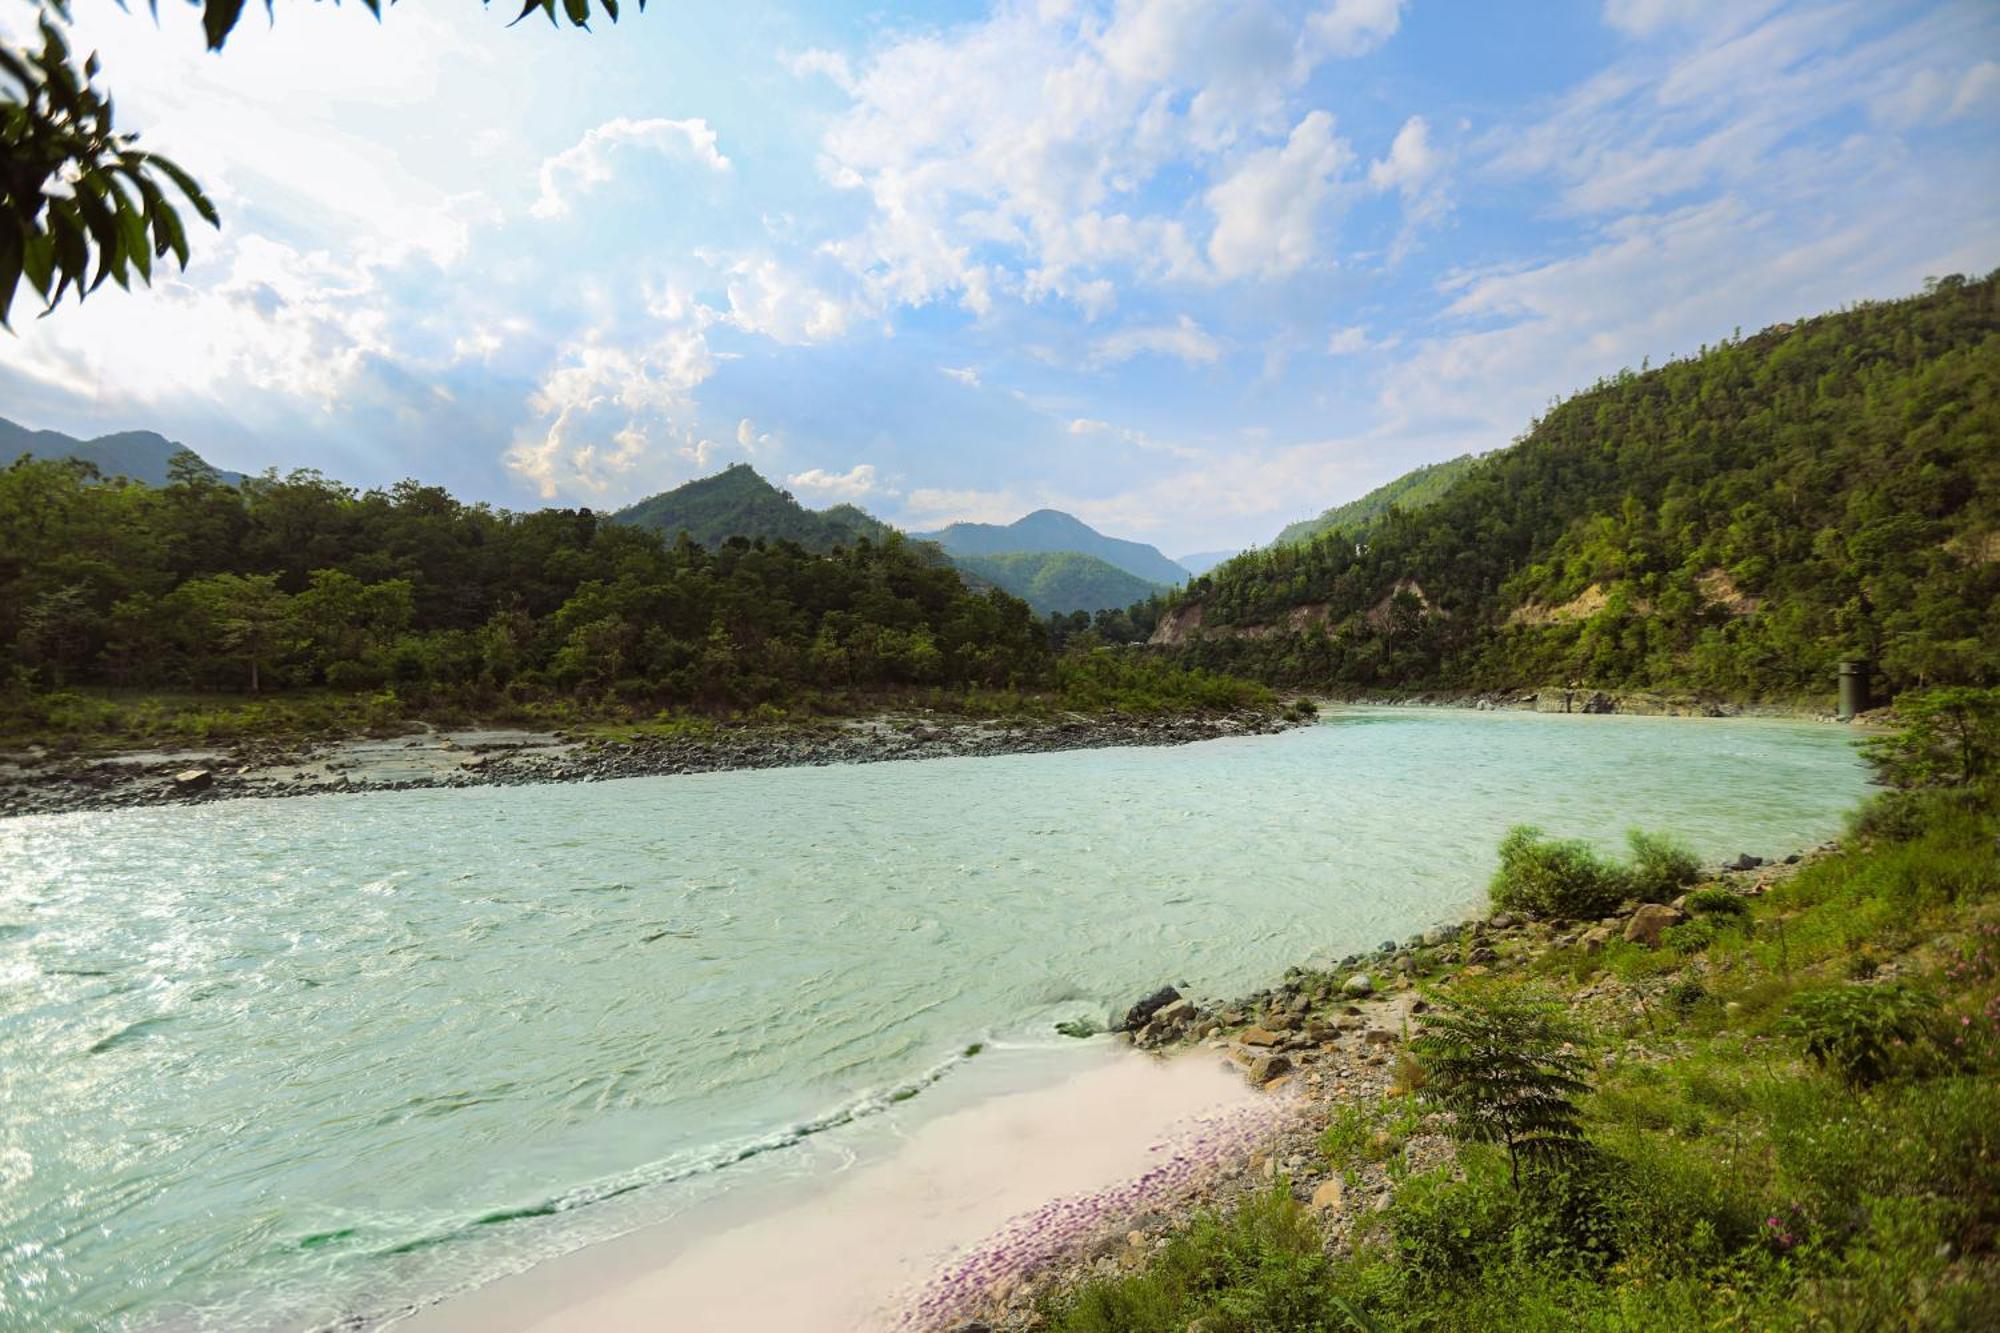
1732, 1181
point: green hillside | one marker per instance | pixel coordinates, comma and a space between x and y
1059, 581
1413, 490
1735, 522
737, 502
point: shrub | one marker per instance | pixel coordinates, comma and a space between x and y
1661, 866
1862, 1032
1717, 902
1504, 1065
1691, 936
1543, 876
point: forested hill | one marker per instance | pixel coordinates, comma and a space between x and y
738, 502
1735, 522
1059, 582
1413, 490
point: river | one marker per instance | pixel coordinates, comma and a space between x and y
276, 1063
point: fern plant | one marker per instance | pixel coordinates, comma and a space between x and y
1505, 1066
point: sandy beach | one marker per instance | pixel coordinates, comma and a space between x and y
860, 1254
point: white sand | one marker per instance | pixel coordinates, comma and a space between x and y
852, 1256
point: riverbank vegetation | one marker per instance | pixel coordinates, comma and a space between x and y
1734, 523
296, 605
1780, 1116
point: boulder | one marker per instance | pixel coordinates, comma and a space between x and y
193, 779
1256, 1036
1594, 939
1500, 920
1745, 861
1175, 1014
1649, 921
1267, 1067
1136, 1016
1326, 1199
1358, 986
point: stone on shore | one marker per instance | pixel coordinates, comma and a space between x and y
1257, 1036
193, 779
1358, 986
1136, 1016
1649, 921
1267, 1067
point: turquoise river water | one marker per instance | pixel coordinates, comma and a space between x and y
291, 1063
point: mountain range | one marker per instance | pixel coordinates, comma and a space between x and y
141, 455
1033, 563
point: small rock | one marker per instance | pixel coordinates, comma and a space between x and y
1501, 920
1267, 1067
193, 779
1594, 939
1649, 921
1257, 1036
1379, 1037
1358, 985
1745, 861
1326, 1198
1136, 1016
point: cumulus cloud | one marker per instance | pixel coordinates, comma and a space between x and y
1267, 212
852, 484
1351, 340
587, 163
605, 404
1038, 153
1184, 339
768, 298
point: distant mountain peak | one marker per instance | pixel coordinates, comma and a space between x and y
139, 455
1051, 530
740, 501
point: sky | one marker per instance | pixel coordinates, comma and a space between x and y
1189, 270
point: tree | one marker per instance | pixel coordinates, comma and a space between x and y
1503, 1064
79, 200
248, 617
1948, 736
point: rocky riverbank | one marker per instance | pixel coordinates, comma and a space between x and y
37, 782
1577, 699
1326, 1045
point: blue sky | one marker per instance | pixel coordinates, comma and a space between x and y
1189, 270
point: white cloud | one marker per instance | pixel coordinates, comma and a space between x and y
1267, 213
1025, 155
605, 404
768, 298
1350, 341
852, 484
1934, 96
300, 325
827, 64
1356, 27
587, 163
966, 375
1184, 339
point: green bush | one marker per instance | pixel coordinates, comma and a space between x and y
1661, 866
1862, 1033
1548, 877
1717, 902
1691, 936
